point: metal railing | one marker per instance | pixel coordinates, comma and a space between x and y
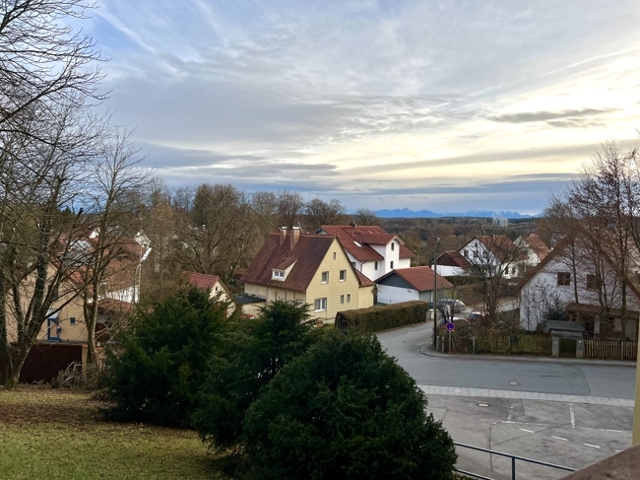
513, 462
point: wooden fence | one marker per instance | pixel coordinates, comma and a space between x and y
613, 349
45, 360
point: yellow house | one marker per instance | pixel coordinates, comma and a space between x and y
311, 268
213, 284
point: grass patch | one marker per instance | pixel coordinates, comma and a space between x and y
58, 434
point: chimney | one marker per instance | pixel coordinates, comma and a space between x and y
295, 236
283, 234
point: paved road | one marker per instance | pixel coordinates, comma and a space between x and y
571, 378
569, 413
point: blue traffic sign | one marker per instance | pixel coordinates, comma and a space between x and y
450, 326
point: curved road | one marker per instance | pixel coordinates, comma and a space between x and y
542, 376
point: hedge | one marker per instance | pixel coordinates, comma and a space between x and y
377, 319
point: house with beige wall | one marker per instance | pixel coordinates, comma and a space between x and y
310, 268
213, 285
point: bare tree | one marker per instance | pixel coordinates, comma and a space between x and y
366, 216
319, 212
40, 181
113, 253
290, 206
43, 60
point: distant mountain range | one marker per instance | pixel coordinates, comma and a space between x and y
406, 213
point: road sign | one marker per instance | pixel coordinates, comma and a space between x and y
450, 326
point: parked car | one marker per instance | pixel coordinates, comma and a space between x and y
476, 317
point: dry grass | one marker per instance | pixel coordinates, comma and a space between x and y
59, 434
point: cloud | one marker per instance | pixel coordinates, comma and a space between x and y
571, 117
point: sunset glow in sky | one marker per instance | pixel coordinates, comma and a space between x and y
439, 105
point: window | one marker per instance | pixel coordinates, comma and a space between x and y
475, 253
277, 275
325, 277
72, 321
343, 275
592, 282
320, 304
466, 253
341, 298
391, 264
375, 266
564, 279
393, 246
334, 255
348, 298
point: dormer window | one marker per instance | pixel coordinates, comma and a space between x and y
278, 274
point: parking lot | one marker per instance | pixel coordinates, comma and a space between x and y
564, 433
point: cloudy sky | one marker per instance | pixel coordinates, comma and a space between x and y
440, 105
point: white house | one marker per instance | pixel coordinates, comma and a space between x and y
533, 249
406, 284
451, 263
492, 255
370, 249
568, 281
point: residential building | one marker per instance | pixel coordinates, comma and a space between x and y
533, 248
570, 284
406, 284
212, 284
492, 256
452, 263
370, 249
311, 268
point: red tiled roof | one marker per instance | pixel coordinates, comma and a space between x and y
453, 258
365, 235
420, 278
363, 280
201, 281
537, 245
308, 254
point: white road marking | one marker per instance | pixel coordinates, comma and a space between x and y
528, 431
510, 413
560, 438
590, 445
573, 417
614, 431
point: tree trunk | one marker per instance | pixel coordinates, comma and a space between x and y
16, 368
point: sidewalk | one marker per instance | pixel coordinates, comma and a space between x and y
431, 352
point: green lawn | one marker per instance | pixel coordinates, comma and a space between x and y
53, 434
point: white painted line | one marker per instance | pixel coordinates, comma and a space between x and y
590, 445
614, 431
573, 417
529, 431
560, 438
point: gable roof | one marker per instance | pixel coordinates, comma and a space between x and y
420, 278
363, 280
535, 243
453, 258
308, 253
500, 246
202, 281
356, 240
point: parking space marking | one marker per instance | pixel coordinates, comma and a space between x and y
560, 438
573, 417
591, 445
525, 430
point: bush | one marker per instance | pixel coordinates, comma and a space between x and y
157, 376
345, 410
377, 319
282, 332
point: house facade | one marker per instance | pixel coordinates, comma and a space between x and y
370, 249
310, 268
212, 284
568, 282
452, 263
492, 255
407, 284
533, 249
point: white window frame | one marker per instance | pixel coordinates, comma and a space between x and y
320, 304
348, 298
343, 275
278, 274
325, 275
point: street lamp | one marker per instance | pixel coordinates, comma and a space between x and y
435, 290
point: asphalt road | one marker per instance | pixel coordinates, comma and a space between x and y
563, 377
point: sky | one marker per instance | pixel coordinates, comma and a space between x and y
439, 105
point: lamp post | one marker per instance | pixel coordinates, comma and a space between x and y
435, 290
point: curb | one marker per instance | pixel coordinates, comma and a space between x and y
430, 352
